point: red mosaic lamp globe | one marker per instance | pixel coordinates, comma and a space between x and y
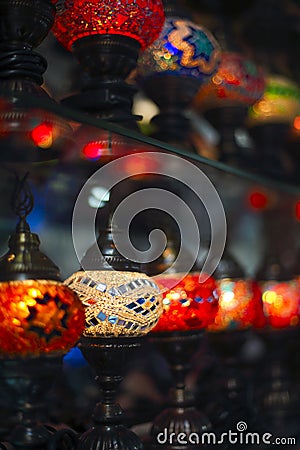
106, 37
281, 303
188, 302
237, 81
240, 305
39, 316
140, 20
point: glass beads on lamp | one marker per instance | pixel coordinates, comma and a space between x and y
239, 305
140, 20
38, 317
281, 303
189, 305
117, 303
237, 81
182, 49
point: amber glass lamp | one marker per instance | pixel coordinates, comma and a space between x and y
40, 320
239, 304
173, 68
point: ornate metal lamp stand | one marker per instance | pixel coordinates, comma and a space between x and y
40, 319
181, 416
108, 356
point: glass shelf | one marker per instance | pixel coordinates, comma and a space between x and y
59, 168
77, 118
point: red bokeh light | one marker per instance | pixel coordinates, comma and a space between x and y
93, 150
297, 210
42, 135
258, 200
297, 123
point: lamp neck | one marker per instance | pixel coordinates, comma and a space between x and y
23, 26
108, 60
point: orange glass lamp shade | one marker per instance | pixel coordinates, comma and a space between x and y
38, 317
141, 20
281, 303
117, 303
239, 306
188, 305
280, 102
238, 81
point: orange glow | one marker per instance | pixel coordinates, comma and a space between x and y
240, 305
42, 135
297, 123
189, 305
281, 302
38, 317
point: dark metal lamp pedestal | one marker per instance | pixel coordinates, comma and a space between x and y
231, 405
25, 383
276, 397
108, 356
181, 416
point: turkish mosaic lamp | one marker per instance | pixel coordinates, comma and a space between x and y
188, 303
238, 81
172, 69
38, 315
119, 300
239, 304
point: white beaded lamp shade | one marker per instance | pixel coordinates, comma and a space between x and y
117, 303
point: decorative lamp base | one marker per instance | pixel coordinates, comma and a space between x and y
108, 356
181, 418
24, 385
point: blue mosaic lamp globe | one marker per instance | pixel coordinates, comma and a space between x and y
178, 62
